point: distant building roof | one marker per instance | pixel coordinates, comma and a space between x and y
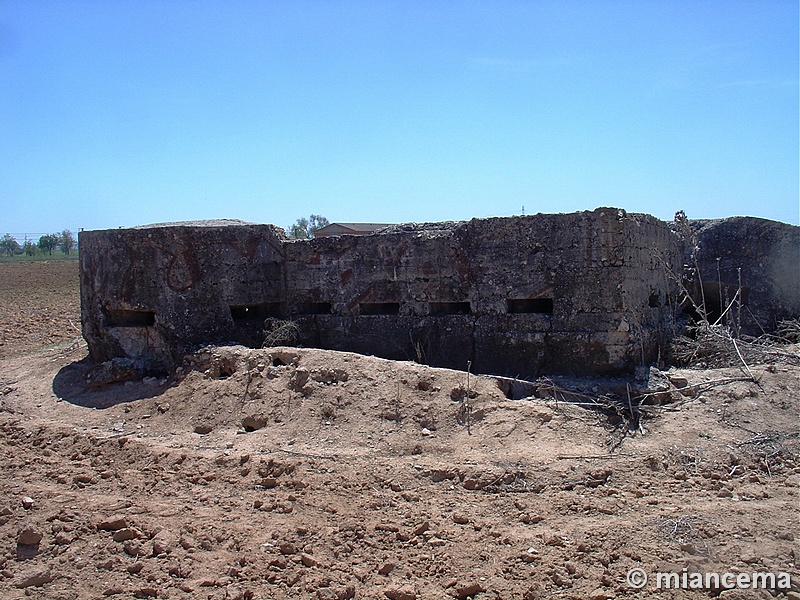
349, 229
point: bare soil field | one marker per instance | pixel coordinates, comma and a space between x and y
39, 305
300, 473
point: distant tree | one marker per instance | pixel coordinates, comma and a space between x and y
66, 241
305, 228
29, 248
316, 222
299, 231
9, 245
48, 242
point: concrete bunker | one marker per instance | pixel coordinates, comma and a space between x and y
581, 293
748, 270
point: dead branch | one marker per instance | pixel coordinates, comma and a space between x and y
744, 362
710, 383
714, 346
593, 456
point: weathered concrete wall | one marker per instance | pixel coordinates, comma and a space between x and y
516, 296
148, 293
768, 254
575, 293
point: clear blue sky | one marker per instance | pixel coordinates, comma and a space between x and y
120, 113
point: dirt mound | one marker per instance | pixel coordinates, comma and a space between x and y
341, 401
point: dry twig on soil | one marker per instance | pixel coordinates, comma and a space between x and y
280, 332
713, 346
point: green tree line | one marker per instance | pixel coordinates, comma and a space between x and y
64, 241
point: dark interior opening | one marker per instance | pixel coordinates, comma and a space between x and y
379, 308
317, 308
439, 309
718, 297
516, 389
130, 318
654, 301
542, 306
256, 312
